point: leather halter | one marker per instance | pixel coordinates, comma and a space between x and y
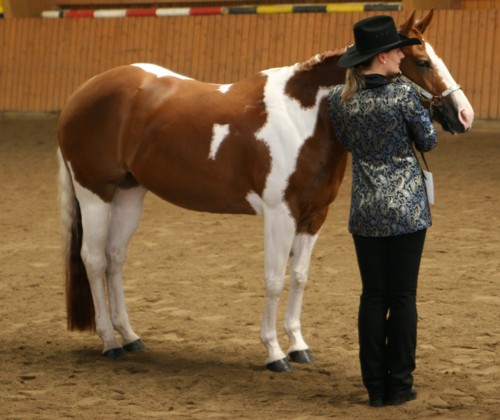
431, 98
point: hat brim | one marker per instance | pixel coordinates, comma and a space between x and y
352, 57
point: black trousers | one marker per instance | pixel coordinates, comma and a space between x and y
387, 322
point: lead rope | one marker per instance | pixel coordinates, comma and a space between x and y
425, 161
428, 180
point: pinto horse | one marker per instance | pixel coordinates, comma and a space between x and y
261, 146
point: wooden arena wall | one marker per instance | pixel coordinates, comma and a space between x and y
43, 61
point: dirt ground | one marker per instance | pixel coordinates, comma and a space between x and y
195, 295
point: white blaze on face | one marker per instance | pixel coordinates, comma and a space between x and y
462, 104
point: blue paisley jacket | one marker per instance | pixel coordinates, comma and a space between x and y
379, 126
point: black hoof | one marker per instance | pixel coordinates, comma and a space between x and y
301, 356
281, 365
115, 354
134, 345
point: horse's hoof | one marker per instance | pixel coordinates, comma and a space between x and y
281, 365
115, 354
134, 345
301, 356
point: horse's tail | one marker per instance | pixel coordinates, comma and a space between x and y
79, 304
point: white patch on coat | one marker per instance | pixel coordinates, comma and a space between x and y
159, 71
256, 202
219, 133
224, 88
285, 131
287, 128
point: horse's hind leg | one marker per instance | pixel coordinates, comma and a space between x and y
302, 248
95, 223
125, 216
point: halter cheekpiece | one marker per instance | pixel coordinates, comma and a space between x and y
434, 100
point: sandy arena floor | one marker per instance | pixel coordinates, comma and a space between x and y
195, 294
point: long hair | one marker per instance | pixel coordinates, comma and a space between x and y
354, 80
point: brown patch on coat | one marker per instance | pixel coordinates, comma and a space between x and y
316, 181
305, 83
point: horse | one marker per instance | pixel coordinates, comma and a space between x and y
261, 146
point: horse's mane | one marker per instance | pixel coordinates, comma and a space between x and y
319, 58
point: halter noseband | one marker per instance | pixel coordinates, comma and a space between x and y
434, 100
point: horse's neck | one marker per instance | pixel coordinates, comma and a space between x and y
304, 84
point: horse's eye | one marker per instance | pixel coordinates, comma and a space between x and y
424, 64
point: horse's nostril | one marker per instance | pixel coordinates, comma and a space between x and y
466, 117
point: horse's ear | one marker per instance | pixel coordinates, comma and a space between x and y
422, 24
406, 27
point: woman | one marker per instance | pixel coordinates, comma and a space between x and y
379, 122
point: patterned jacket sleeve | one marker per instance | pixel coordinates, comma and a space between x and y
419, 123
335, 110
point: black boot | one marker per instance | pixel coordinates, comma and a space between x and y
376, 399
400, 397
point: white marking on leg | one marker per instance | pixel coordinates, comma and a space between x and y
302, 249
279, 230
125, 217
95, 223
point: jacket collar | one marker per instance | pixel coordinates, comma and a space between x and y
374, 80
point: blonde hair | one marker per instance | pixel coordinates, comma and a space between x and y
354, 80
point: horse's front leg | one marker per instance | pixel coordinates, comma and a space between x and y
302, 248
279, 230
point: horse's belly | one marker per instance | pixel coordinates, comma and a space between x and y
195, 183
209, 200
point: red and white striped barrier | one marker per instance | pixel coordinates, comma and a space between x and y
120, 13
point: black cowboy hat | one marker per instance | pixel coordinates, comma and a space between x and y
372, 36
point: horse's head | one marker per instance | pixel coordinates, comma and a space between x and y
437, 88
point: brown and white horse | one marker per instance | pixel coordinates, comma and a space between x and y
261, 146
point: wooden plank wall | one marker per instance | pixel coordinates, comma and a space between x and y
479, 4
26, 8
43, 61
450, 4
